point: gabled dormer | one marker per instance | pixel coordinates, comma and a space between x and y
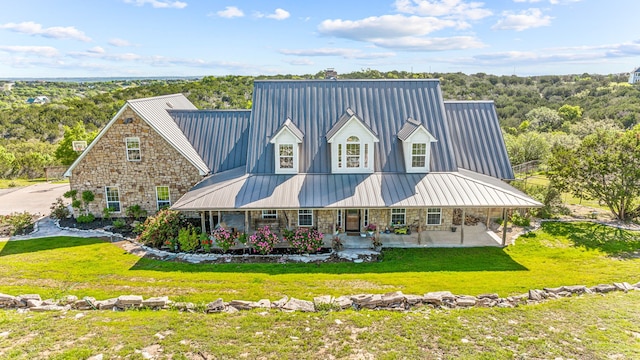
416, 146
352, 145
286, 141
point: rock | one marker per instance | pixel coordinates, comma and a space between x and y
31, 303
370, 301
215, 306
564, 294
50, 308
230, 310
393, 299
488, 296
603, 288
96, 357
30, 297
299, 305
241, 304
262, 304
624, 286
280, 303
323, 300
486, 302
186, 306
108, 304
554, 290
537, 295
636, 285
49, 302
128, 301
7, 301
466, 301
344, 302
79, 316
156, 302
86, 303
437, 297
576, 289
4, 334
413, 299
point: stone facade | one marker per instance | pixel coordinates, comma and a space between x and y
106, 164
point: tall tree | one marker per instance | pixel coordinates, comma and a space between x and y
605, 167
64, 152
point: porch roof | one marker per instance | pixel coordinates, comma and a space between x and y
234, 189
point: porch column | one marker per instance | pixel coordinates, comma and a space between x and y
219, 217
420, 225
464, 215
246, 221
211, 224
488, 219
203, 223
504, 226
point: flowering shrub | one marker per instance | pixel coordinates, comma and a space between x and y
205, 242
159, 229
224, 238
18, 223
263, 240
371, 227
305, 240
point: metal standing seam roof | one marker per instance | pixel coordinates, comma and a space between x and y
409, 127
344, 119
237, 190
291, 127
315, 106
219, 136
476, 138
154, 111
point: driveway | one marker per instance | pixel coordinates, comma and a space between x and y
36, 199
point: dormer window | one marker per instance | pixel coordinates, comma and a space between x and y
287, 140
416, 145
351, 143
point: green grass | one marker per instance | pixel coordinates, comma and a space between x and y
9, 183
585, 327
559, 254
567, 198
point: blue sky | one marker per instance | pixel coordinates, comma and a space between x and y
73, 38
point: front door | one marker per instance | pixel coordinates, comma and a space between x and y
353, 220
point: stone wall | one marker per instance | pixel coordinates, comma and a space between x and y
106, 165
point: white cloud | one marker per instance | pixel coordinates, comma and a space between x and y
46, 51
410, 43
119, 42
56, 32
386, 26
159, 4
299, 62
96, 50
279, 14
346, 53
526, 19
230, 12
455, 9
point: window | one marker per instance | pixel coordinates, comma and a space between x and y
353, 152
339, 219
366, 155
305, 217
163, 200
365, 220
418, 155
339, 155
286, 156
434, 216
113, 198
398, 216
269, 214
133, 149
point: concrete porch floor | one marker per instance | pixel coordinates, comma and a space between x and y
474, 236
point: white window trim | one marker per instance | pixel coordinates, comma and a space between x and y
366, 140
419, 155
403, 213
267, 215
309, 213
164, 201
294, 156
420, 136
126, 142
286, 137
106, 198
439, 212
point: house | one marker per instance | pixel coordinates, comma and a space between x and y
337, 155
634, 76
38, 100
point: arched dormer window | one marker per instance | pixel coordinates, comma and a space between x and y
351, 145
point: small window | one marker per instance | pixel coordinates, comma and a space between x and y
366, 217
366, 155
133, 149
398, 216
339, 219
339, 155
353, 152
285, 152
434, 216
418, 155
163, 200
269, 214
305, 217
113, 198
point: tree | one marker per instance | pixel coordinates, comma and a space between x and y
570, 113
544, 119
7, 162
526, 147
605, 167
64, 152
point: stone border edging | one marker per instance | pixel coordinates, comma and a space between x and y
393, 301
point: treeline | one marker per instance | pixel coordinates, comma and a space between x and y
529, 108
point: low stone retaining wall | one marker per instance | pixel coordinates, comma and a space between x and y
394, 301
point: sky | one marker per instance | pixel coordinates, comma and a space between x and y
138, 38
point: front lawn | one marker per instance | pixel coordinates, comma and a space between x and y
559, 254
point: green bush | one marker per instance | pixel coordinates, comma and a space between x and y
136, 212
85, 219
59, 210
19, 223
119, 223
188, 239
520, 220
161, 228
107, 213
